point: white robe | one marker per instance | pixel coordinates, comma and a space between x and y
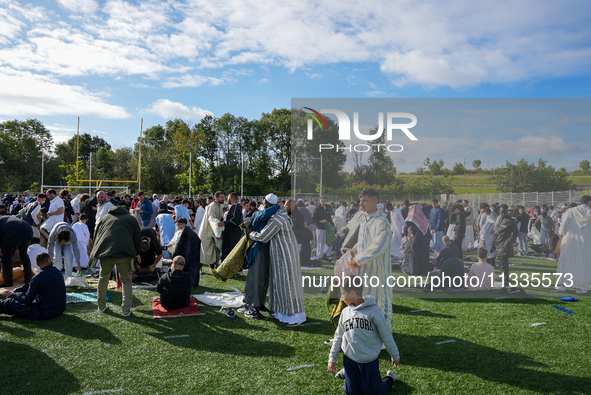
83, 236
373, 258
397, 226
209, 229
486, 237
340, 220
102, 210
575, 248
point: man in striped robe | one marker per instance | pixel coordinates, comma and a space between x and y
286, 295
372, 252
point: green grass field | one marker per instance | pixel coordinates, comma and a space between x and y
496, 350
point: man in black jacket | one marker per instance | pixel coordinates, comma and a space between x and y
320, 217
15, 235
503, 240
459, 227
175, 286
522, 220
302, 233
189, 247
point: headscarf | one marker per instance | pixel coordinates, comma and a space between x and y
417, 217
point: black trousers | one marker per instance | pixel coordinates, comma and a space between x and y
458, 243
305, 253
8, 253
504, 266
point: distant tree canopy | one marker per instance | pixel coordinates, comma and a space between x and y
218, 146
528, 177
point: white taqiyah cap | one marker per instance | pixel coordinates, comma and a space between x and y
271, 198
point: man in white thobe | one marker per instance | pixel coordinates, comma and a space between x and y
210, 231
104, 205
574, 263
372, 252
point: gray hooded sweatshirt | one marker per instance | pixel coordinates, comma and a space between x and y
362, 330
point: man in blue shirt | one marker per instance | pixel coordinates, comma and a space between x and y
43, 298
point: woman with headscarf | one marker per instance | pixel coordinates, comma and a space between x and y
418, 225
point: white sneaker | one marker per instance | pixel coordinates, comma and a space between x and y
340, 374
561, 288
102, 310
242, 310
126, 313
581, 291
391, 374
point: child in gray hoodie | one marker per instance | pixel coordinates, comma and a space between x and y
360, 334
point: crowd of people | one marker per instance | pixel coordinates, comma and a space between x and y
425, 236
138, 235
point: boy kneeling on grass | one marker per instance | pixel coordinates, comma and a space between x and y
360, 334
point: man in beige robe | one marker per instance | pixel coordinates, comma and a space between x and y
210, 231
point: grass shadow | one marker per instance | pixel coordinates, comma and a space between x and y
396, 309
517, 370
213, 337
28, 371
74, 326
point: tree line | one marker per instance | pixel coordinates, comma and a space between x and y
218, 147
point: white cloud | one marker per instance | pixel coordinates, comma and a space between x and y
533, 146
23, 93
61, 133
169, 109
191, 81
79, 6
459, 44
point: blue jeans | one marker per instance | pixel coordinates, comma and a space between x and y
522, 246
363, 378
543, 236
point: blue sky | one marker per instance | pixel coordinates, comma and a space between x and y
115, 62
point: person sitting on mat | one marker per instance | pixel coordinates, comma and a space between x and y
43, 298
175, 286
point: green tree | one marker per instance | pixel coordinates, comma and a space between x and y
476, 164
585, 167
22, 144
531, 177
458, 169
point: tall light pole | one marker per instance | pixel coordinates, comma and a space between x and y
190, 171
42, 169
464, 172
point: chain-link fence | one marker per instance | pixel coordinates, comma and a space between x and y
527, 199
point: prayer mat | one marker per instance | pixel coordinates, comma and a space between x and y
223, 300
93, 282
84, 297
18, 275
160, 312
234, 261
331, 234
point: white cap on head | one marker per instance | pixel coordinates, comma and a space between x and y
271, 198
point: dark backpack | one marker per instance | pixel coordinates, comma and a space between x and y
26, 212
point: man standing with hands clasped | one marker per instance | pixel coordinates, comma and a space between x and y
372, 252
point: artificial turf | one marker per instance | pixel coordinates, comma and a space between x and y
496, 350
